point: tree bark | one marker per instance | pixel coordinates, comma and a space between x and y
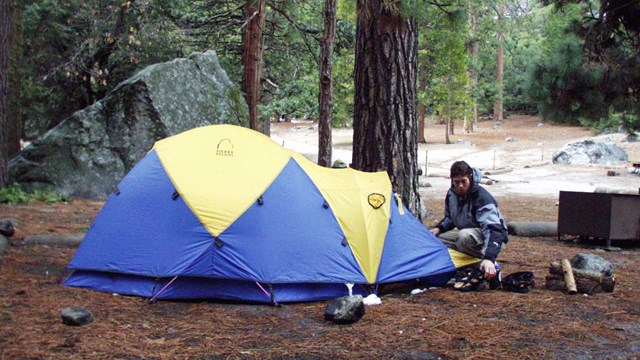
499, 100
325, 101
14, 118
446, 131
7, 27
252, 61
385, 126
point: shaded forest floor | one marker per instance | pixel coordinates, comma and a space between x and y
437, 323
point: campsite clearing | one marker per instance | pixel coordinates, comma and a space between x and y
437, 323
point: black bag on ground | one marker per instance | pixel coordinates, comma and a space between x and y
520, 282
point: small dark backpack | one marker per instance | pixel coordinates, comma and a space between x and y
520, 282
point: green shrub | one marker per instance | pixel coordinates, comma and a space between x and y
47, 197
14, 194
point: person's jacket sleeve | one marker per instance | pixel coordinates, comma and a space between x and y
493, 228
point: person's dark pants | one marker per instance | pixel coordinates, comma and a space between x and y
468, 241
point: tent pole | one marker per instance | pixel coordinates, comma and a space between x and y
153, 299
62, 276
270, 296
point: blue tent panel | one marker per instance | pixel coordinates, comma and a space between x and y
407, 237
289, 236
201, 287
143, 230
124, 284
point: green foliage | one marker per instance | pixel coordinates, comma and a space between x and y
523, 31
47, 197
298, 99
629, 122
76, 51
447, 93
343, 87
13, 194
585, 77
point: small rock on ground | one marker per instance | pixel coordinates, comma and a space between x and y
76, 316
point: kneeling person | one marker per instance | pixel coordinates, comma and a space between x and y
472, 222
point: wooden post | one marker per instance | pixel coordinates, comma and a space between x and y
568, 277
426, 163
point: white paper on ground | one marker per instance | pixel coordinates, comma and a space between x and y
372, 299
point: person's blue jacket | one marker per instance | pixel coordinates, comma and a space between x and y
476, 209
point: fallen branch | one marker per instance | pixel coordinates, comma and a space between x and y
587, 282
568, 277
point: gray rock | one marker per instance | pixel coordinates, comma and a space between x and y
423, 182
72, 240
76, 316
592, 263
7, 227
4, 244
88, 153
345, 310
590, 152
511, 139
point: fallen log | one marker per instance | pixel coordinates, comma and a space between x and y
583, 286
587, 282
70, 240
569, 280
533, 228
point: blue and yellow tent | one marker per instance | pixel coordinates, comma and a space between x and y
224, 212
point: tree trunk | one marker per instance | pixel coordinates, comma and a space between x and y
498, 103
15, 128
325, 101
385, 126
7, 27
446, 131
252, 62
422, 108
473, 75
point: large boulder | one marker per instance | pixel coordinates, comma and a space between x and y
88, 153
590, 151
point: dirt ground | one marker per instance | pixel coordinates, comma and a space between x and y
435, 324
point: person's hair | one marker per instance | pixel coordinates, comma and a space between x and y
461, 168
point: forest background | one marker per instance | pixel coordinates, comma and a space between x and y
572, 62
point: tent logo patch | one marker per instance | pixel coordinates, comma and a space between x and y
376, 200
224, 148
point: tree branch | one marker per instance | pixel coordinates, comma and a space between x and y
293, 22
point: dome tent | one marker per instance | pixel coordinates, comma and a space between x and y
223, 212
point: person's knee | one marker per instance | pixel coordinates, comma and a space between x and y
470, 241
468, 237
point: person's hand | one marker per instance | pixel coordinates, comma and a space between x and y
489, 269
435, 231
